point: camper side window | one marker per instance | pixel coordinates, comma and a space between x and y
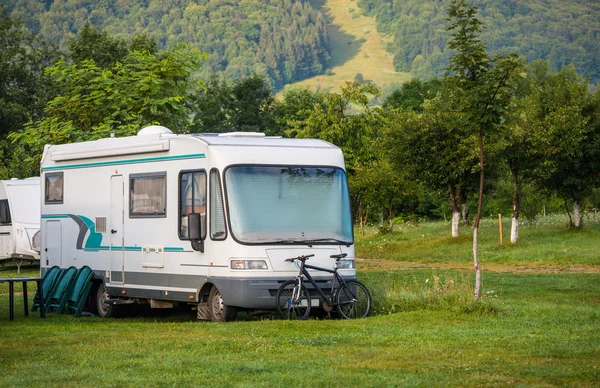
148, 195
192, 199
217, 214
54, 188
4, 212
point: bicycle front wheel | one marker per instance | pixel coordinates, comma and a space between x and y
293, 300
353, 300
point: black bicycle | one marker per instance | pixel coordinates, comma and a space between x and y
350, 297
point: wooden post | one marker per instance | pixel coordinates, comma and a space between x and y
500, 225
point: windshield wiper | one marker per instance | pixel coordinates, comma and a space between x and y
346, 243
291, 241
311, 241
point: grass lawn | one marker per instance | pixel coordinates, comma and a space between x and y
543, 327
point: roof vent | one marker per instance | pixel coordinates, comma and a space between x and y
242, 134
154, 129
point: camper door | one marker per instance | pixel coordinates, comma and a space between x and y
117, 199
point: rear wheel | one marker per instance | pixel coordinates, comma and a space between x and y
217, 309
104, 310
353, 300
293, 300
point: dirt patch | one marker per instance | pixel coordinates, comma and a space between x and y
377, 265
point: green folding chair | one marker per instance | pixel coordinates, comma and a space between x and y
78, 292
50, 277
60, 289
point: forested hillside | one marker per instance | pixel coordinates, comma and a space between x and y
284, 39
287, 40
559, 31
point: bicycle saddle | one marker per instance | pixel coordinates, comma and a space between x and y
339, 256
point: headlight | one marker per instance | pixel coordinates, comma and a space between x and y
248, 264
344, 264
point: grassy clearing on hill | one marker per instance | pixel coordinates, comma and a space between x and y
356, 47
532, 327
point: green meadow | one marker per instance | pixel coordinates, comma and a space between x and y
538, 323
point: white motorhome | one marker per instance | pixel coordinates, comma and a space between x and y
203, 219
20, 220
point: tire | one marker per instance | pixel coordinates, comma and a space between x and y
353, 300
218, 311
103, 309
289, 309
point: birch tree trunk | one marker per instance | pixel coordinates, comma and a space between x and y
455, 207
477, 218
577, 213
455, 223
464, 211
514, 230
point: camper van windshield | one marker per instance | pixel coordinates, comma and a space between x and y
301, 205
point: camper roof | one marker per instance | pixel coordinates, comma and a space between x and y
253, 140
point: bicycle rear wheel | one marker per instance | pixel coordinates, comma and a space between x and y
293, 300
353, 300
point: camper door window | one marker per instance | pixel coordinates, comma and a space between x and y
54, 188
192, 199
148, 195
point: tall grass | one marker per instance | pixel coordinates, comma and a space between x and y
394, 292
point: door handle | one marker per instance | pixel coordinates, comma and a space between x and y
113, 231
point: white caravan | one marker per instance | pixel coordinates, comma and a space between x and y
205, 219
20, 220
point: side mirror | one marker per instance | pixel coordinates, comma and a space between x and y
195, 231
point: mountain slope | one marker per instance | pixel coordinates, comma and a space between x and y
356, 48
284, 39
560, 31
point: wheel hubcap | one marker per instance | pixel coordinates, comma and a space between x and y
217, 305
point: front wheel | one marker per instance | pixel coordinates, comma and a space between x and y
218, 310
353, 300
293, 300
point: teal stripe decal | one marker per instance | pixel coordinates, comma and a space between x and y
94, 239
129, 249
125, 161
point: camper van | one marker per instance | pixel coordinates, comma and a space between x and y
205, 220
20, 220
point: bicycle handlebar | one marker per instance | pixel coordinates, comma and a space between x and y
301, 258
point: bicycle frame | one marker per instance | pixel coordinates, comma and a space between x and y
304, 272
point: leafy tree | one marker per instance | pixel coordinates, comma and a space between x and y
245, 105
143, 89
295, 107
210, 106
412, 94
564, 116
252, 105
91, 43
24, 88
522, 150
333, 122
479, 91
435, 149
